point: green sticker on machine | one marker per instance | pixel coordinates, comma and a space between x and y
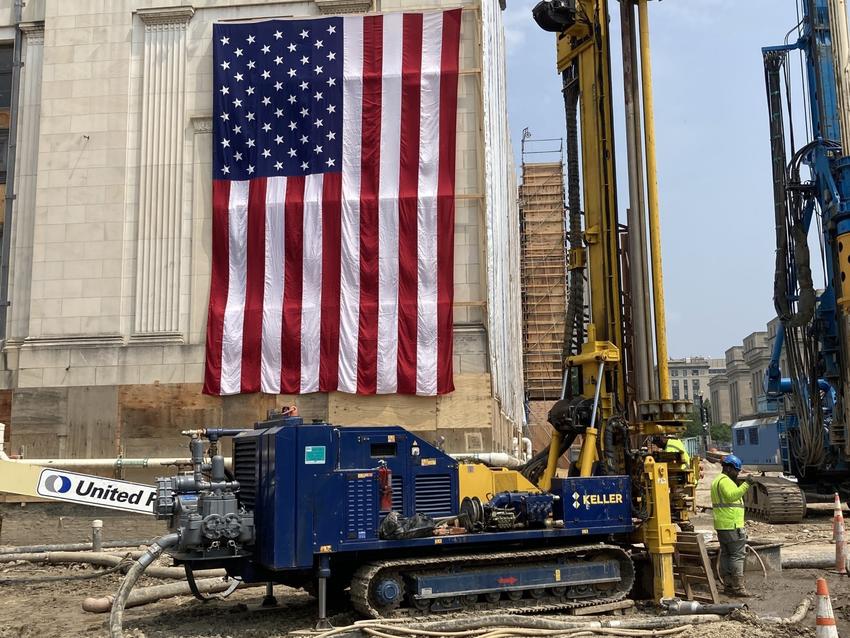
314, 455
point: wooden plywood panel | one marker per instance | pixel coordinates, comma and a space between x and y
39, 421
415, 413
92, 422
469, 406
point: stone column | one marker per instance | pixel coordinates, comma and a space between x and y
158, 259
23, 214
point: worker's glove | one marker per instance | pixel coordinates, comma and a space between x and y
749, 479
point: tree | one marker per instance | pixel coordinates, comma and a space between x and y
721, 433
694, 426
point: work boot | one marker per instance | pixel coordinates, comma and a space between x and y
738, 589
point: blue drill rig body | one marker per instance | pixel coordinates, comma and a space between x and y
811, 186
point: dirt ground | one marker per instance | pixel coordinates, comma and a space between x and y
53, 610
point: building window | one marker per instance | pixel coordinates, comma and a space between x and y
675, 390
674, 372
685, 388
754, 436
694, 373
739, 436
695, 384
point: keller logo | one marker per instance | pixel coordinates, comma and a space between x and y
57, 484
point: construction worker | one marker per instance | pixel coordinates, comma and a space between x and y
727, 503
673, 445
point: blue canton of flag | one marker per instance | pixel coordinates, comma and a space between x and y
278, 98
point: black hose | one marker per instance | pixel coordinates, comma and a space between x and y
133, 574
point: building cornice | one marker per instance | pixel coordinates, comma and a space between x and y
343, 6
161, 16
34, 31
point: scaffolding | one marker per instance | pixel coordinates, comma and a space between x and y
543, 266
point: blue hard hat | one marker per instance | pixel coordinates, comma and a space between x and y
734, 461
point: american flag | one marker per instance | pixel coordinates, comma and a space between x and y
333, 205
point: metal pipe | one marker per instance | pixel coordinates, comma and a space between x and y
496, 459
841, 61
636, 214
11, 155
97, 535
117, 463
652, 204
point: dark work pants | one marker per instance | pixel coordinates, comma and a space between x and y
733, 543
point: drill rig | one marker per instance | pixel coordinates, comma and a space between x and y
812, 186
407, 529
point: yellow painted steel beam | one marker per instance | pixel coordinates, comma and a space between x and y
19, 478
652, 203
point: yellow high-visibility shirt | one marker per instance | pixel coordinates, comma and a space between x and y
675, 445
727, 503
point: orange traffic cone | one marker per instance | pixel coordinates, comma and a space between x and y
839, 535
825, 619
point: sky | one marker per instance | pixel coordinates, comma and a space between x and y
712, 147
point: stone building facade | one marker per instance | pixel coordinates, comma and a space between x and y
111, 235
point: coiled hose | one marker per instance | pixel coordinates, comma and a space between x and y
133, 574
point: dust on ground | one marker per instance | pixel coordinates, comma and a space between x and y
53, 609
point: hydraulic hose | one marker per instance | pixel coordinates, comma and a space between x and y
133, 574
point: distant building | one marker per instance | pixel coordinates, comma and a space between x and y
689, 377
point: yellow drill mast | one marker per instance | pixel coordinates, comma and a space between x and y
611, 376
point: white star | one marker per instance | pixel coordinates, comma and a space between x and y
266, 48
225, 170
238, 53
331, 161
237, 156
331, 135
332, 29
266, 75
250, 143
278, 112
278, 139
250, 116
267, 100
225, 117
225, 65
304, 166
267, 153
305, 112
278, 166
278, 35
318, 96
318, 149
238, 77
237, 103
331, 108
267, 127
331, 56
251, 64
225, 90
225, 40
278, 86
237, 130
225, 143
278, 60
305, 86
304, 139
304, 34
319, 44
318, 70
292, 46
331, 81
318, 124
251, 39
292, 99
292, 152
250, 169
292, 126
291, 73
250, 90
305, 59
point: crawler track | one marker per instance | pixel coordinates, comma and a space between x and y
775, 500
364, 578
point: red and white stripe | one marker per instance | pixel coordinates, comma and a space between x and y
344, 281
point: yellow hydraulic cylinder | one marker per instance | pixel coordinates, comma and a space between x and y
588, 452
545, 482
659, 532
652, 203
